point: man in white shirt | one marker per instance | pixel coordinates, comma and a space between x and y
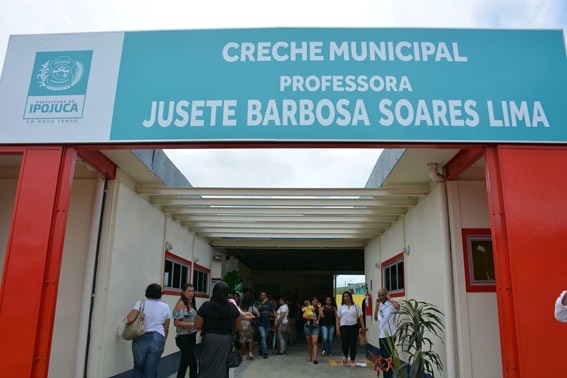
561, 307
384, 315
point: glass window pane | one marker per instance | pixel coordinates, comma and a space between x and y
195, 277
205, 281
387, 283
176, 276
401, 275
184, 271
482, 260
168, 273
394, 276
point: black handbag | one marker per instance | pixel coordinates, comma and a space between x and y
234, 359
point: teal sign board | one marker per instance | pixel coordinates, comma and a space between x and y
304, 84
342, 85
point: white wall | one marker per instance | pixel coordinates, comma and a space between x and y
478, 338
131, 257
421, 229
7, 197
476, 317
70, 291
181, 239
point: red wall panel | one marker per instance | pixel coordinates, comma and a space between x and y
534, 196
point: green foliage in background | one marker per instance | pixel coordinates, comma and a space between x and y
233, 280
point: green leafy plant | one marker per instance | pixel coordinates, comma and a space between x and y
416, 323
398, 364
232, 279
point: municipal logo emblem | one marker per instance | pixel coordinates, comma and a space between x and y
60, 74
58, 85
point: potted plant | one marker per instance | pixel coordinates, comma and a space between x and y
416, 323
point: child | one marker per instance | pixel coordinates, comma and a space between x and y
309, 310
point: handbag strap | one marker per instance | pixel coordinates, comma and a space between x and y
142, 306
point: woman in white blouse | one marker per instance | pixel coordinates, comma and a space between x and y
349, 320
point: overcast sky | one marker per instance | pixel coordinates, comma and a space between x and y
303, 168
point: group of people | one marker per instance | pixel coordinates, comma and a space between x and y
319, 319
225, 315
327, 318
217, 319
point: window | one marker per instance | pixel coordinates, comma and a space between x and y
176, 273
201, 278
479, 260
393, 275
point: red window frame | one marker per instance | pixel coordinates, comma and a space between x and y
206, 270
475, 287
390, 261
180, 260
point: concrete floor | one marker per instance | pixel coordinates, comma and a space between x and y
295, 365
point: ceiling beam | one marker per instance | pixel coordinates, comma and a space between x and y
330, 218
296, 224
176, 210
261, 243
281, 231
314, 236
284, 202
413, 190
462, 161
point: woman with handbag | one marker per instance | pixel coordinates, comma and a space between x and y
349, 319
184, 315
217, 319
246, 331
148, 348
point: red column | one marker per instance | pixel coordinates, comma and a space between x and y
33, 259
505, 300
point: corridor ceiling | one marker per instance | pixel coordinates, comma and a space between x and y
323, 229
285, 228
283, 217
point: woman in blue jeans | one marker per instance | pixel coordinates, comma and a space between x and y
311, 329
147, 348
327, 326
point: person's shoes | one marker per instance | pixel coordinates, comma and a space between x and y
323, 354
315, 362
329, 355
281, 354
250, 356
265, 355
